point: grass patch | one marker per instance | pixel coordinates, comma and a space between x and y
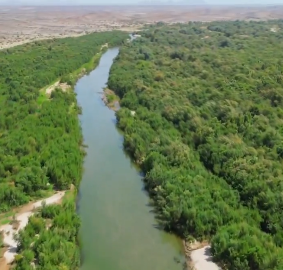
87, 67
69, 195
41, 194
111, 99
5, 221
7, 214
7, 217
42, 97
72, 78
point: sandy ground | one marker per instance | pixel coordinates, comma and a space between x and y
202, 259
63, 86
24, 24
51, 88
22, 218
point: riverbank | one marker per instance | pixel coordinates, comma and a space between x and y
150, 126
202, 259
110, 99
68, 81
21, 218
199, 256
51, 135
118, 222
20, 221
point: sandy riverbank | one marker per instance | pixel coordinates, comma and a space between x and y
202, 259
22, 218
199, 256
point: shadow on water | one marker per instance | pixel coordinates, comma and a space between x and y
158, 227
114, 121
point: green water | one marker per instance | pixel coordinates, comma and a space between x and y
118, 227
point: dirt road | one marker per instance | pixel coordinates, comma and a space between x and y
22, 218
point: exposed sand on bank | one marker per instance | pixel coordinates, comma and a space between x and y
9, 231
63, 86
202, 259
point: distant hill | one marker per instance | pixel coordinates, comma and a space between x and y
173, 2
123, 2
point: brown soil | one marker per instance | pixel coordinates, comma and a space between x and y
63, 86
3, 263
25, 24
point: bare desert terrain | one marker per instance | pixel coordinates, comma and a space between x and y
23, 24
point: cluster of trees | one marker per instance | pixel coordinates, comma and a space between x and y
208, 132
40, 142
40, 138
50, 240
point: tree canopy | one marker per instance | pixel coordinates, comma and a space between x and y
41, 143
50, 240
207, 131
40, 138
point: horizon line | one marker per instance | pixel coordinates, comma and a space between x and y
136, 4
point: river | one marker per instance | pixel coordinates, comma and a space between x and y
119, 231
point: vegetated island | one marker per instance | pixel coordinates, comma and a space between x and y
207, 132
41, 143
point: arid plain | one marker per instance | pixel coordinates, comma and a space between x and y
23, 24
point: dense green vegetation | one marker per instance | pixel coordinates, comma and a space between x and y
208, 132
40, 142
52, 248
40, 137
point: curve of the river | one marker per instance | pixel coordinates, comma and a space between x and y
118, 227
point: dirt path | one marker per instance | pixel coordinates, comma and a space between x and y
9, 231
202, 259
51, 88
63, 86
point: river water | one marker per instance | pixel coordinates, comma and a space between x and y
118, 227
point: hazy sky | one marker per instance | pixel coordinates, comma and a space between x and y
82, 2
